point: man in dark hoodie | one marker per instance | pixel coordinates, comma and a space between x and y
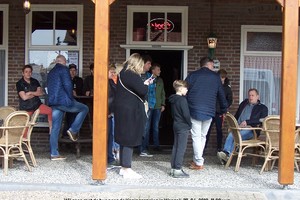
205, 88
181, 125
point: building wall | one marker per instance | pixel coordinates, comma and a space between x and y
226, 21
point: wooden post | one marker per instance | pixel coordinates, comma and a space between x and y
100, 89
288, 91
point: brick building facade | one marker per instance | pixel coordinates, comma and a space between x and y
226, 20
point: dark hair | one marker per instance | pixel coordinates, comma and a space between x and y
205, 60
222, 73
26, 66
154, 65
146, 58
253, 89
72, 66
91, 66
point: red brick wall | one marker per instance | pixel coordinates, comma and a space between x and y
228, 16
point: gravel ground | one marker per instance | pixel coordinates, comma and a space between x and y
71, 179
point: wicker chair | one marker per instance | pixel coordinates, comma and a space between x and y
14, 128
271, 128
5, 111
241, 145
297, 148
27, 136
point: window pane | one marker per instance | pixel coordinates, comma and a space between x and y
2, 77
174, 27
1, 27
140, 20
42, 28
157, 21
264, 41
66, 28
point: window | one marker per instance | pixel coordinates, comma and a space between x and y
53, 30
261, 64
157, 25
3, 53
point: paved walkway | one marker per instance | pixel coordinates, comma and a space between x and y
71, 179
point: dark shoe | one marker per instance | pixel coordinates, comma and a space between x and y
223, 157
179, 173
194, 166
113, 164
59, 157
73, 136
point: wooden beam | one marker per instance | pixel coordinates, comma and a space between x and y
100, 89
288, 91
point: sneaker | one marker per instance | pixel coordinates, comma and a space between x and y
223, 157
194, 166
145, 154
113, 164
129, 174
179, 173
59, 157
73, 136
171, 172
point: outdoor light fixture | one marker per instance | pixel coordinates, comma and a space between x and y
26, 6
212, 44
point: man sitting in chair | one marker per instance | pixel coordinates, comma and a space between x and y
248, 114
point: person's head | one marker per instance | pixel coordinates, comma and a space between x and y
73, 70
61, 60
92, 69
135, 63
27, 71
147, 62
181, 87
155, 70
207, 62
223, 74
253, 96
111, 71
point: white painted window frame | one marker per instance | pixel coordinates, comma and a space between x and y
183, 45
61, 7
5, 9
244, 52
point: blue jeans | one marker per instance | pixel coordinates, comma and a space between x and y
229, 143
57, 116
110, 142
153, 119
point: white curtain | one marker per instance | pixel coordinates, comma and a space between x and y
264, 74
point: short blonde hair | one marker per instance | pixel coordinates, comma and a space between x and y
119, 67
135, 63
178, 84
61, 59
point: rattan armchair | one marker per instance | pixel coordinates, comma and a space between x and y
4, 112
241, 145
27, 136
13, 128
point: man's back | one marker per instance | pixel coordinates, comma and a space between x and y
60, 86
204, 88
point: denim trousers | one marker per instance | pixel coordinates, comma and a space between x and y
57, 116
179, 147
229, 142
152, 122
199, 131
110, 139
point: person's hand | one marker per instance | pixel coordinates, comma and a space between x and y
149, 81
162, 108
243, 124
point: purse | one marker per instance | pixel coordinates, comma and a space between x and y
145, 102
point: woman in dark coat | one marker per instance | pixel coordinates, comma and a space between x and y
130, 116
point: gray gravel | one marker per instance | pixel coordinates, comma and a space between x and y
72, 179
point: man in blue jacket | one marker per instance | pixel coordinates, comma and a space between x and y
205, 88
60, 98
249, 113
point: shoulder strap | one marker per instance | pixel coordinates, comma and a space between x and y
129, 90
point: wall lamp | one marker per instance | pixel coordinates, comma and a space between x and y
26, 6
212, 44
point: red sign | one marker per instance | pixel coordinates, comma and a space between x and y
159, 24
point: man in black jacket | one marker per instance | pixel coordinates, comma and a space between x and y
249, 113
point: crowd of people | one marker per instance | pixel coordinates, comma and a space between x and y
200, 100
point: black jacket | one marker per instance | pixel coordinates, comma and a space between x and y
180, 113
259, 111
